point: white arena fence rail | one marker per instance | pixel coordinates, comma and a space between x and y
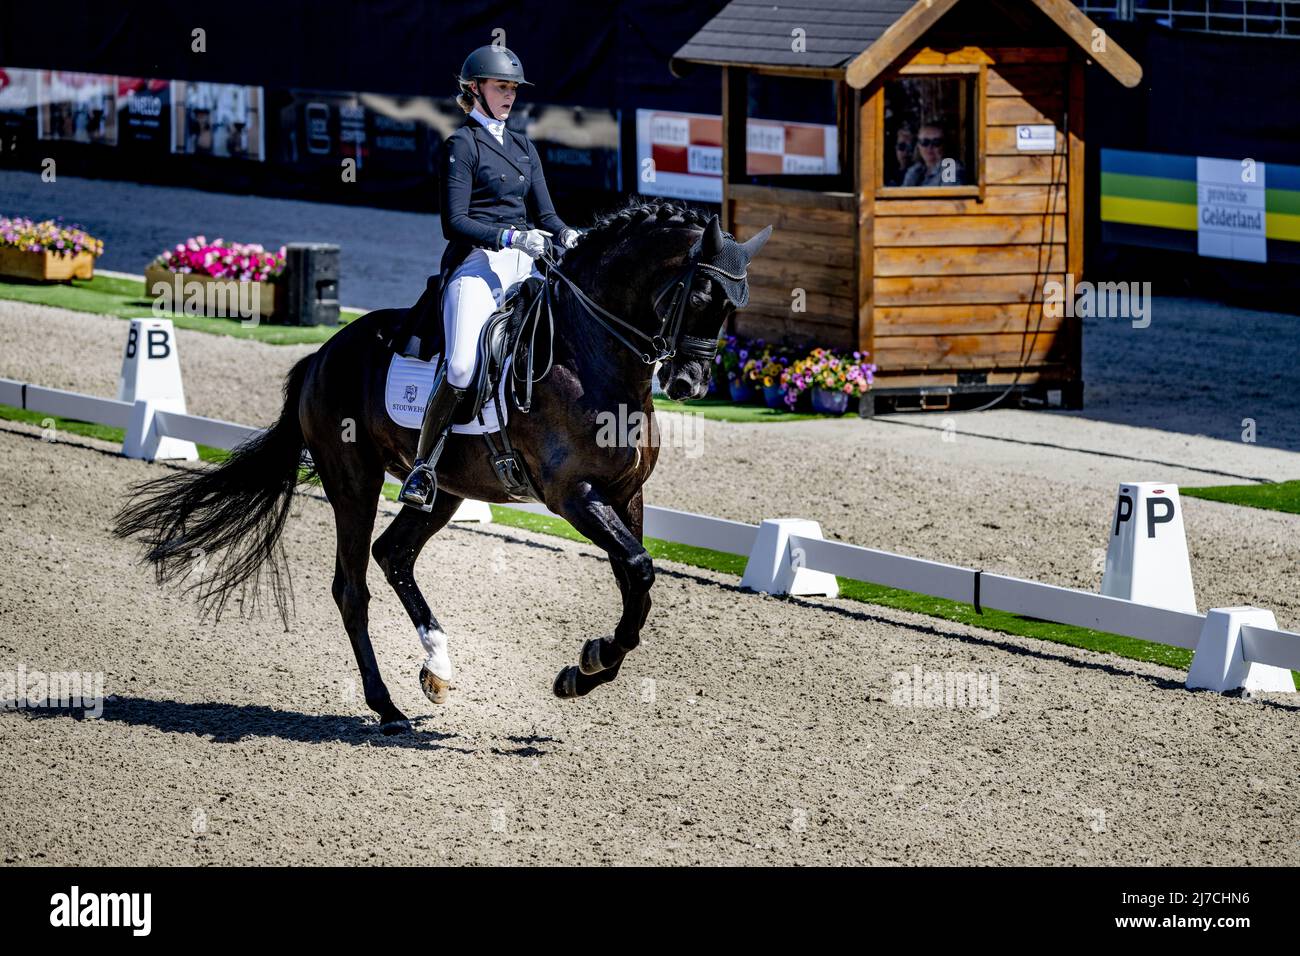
53, 401
684, 527
212, 432
1046, 602
1234, 648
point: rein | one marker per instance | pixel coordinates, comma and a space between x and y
664, 344
669, 340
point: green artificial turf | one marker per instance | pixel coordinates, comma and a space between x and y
1278, 496
727, 411
125, 299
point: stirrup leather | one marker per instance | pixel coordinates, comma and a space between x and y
421, 485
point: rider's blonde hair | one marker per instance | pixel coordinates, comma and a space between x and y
465, 100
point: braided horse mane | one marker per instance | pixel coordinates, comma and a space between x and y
638, 212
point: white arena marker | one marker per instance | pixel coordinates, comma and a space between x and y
1146, 560
472, 510
775, 568
151, 379
1220, 662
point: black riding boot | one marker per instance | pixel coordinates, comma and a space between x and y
421, 484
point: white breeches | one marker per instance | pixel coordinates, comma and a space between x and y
476, 290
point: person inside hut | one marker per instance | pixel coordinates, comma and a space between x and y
934, 167
904, 155
496, 215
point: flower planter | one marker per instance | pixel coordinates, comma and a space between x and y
828, 402
265, 299
45, 266
719, 379
774, 397
741, 392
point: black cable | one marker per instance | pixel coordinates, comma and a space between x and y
1050, 216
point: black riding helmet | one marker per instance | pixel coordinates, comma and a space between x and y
491, 63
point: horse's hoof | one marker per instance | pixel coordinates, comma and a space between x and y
566, 683
589, 658
393, 727
434, 687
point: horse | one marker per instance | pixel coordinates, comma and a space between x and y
651, 284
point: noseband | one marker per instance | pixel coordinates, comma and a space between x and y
669, 341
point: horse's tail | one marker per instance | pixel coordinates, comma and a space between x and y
222, 525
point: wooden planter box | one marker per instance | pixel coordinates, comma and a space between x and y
45, 266
266, 298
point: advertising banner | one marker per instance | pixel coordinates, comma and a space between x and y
380, 134
579, 146
680, 154
1230, 209
144, 113
77, 107
1241, 209
217, 119
18, 95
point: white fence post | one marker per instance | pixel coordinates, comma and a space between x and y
473, 510
1220, 661
142, 437
777, 568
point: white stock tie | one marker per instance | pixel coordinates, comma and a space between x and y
496, 127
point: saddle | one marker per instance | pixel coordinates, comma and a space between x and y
511, 332
501, 337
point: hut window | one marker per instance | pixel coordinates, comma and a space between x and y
791, 134
930, 132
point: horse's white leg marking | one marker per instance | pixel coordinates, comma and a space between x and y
434, 640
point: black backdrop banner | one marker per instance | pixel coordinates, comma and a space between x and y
1201, 95
611, 54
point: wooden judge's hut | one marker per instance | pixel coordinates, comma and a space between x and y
923, 164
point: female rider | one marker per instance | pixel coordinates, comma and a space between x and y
494, 199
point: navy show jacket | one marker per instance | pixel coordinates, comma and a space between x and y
488, 187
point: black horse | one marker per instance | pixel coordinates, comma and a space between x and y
652, 282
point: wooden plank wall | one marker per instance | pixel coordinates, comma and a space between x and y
957, 281
811, 249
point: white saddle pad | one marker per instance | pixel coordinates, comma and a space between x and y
407, 392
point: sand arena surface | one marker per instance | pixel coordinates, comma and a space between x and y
745, 729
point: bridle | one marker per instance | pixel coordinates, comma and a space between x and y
670, 339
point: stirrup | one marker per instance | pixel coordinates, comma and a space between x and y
409, 497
